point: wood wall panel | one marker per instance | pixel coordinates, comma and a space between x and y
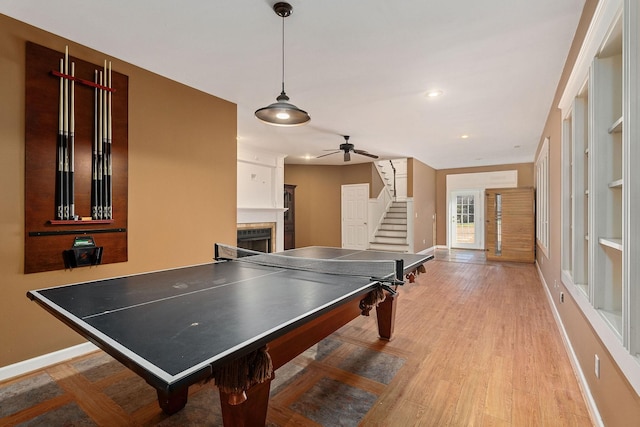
517, 226
44, 252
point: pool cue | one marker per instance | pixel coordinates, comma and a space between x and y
99, 144
105, 154
59, 175
65, 139
109, 184
94, 156
72, 126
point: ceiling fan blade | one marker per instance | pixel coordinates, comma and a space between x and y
328, 154
364, 153
347, 156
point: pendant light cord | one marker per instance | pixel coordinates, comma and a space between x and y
283, 54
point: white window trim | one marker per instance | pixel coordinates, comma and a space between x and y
542, 198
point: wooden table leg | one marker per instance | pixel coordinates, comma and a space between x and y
173, 402
252, 412
386, 313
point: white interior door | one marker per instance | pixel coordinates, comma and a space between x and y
466, 224
355, 201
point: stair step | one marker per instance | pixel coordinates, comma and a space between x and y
392, 240
396, 215
388, 247
392, 233
398, 209
393, 227
394, 221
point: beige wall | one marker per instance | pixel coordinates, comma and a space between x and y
421, 186
182, 142
317, 204
525, 179
617, 402
318, 193
318, 201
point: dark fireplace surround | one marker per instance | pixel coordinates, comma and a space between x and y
256, 236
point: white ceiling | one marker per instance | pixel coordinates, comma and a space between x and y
358, 67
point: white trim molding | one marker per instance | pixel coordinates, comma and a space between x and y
40, 362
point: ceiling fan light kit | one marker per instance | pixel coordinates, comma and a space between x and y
282, 112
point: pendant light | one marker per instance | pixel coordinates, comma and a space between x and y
282, 112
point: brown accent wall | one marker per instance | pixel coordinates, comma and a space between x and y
421, 186
377, 184
616, 400
317, 203
525, 179
318, 193
182, 144
318, 199
358, 174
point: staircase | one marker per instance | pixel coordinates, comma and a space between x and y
391, 235
386, 173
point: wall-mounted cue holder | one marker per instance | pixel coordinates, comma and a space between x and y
83, 253
101, 158
76, 159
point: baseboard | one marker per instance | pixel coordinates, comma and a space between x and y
577, 370
40, 362
429, 251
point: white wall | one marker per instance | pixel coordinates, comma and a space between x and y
477, 181
260, 180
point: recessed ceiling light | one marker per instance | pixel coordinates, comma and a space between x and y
465, 136
433, 93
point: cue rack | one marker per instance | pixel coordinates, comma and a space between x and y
76, 160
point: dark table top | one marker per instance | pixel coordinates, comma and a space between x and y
172, 326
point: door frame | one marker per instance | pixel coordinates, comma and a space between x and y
478, 212
363, 242
477, 181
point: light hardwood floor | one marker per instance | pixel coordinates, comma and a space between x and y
475, 345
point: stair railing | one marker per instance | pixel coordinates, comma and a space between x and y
394, 179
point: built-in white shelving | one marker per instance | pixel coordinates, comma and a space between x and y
601, 225
616, 184
616, 127
612, 243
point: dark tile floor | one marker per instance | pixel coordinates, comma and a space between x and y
45, 398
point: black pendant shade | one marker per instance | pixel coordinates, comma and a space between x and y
282, 112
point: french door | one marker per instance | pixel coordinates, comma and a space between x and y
466, 226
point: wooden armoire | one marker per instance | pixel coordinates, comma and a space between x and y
289, 216
510, 224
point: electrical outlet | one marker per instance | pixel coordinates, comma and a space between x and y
597, 366
561, 296
555, 283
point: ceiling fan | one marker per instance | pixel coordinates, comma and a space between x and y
347, 148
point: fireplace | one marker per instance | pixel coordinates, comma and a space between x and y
257, 236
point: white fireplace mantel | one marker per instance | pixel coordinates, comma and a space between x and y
249, 215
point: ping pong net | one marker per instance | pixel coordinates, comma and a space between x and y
383, 271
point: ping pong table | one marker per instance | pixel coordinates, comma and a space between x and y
182, 326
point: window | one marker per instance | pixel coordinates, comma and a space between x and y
542, 198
